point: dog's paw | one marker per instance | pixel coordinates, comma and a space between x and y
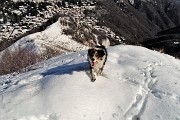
99, 73
93, 79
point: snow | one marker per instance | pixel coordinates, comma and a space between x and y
137, 84
131, 2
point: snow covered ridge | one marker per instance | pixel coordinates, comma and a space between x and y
137, 84
55, 38
52, 38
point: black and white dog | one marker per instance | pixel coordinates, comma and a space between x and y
97, 57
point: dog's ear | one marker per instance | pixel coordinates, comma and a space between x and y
101, 53
90, 51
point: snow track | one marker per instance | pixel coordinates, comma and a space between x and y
137, 108
137, 84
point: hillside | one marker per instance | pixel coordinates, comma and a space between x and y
32, 17
137, 84
137, 20
131, 21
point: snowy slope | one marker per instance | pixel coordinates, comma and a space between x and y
137, 84
52, 37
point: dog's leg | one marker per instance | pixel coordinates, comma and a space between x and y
92, 72
100, 70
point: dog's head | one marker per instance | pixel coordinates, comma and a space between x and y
96, 55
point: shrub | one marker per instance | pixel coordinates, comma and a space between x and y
17, 60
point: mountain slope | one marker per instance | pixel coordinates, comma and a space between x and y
137, 20
131, 20
137, 84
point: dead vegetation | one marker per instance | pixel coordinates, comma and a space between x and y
16, 60
19, 60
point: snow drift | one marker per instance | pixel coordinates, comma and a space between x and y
137, 84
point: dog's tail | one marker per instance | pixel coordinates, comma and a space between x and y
105, 42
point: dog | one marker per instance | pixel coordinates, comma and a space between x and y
97, 57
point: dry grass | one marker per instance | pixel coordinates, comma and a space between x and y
20, 60
17, 60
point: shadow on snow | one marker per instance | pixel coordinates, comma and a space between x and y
67, 69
